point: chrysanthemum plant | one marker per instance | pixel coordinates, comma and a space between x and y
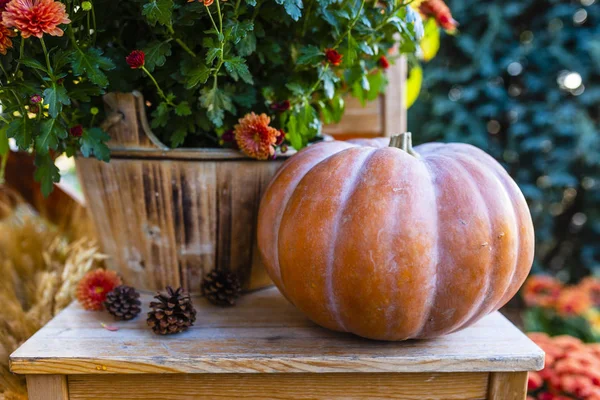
201, 66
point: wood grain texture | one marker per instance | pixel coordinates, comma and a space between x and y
170, 219
434, 386
47, 387
262, 334
394, 110
508, 386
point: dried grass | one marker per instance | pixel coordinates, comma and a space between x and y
40, 269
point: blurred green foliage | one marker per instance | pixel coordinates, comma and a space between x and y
522, 81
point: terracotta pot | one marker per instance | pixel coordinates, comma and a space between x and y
168, 216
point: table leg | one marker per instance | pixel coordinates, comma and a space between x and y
47, 387
508, 386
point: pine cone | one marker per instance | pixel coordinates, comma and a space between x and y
123, 302
172, 313
221, 287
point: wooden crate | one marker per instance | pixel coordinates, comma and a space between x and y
265, 349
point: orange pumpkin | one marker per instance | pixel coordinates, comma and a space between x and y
391, 242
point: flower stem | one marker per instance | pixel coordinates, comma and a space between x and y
222, 42
351, 25
21, 52
160, 91
47, 55
181, 42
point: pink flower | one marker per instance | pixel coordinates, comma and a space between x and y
35, 17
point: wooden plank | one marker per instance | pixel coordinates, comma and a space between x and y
262, 334
461, 386
394, 112
47, 387
508, 386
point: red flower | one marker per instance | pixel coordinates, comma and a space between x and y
440, 11
534, 381
333, 57
136, 59
35, 17
76, 131
384, 63
5, 41
541, 290
281, 106
36, 98
93, 288
255, 137
280, 138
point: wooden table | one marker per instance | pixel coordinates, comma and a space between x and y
265, 349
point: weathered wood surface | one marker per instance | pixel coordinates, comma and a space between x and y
508, 386
423, 386
168, 217
263, 334
385, 116
47, 387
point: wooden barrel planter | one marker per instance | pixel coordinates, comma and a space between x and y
168, 216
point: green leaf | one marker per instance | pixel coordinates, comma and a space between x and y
239, 30
93, 142
351, 51
51, 131
55, 96
296, 89
33, 63
310, 55
237, 68
178, 137
216, 103
183, 109
195, 76
85, 91
329, 79
246, 97
212, 54
60, 59
366, 48
292, 7
160, 116
91, 63
303, 125
20, 130
247, 45
251, 3
156, 54
46, 173
158, 11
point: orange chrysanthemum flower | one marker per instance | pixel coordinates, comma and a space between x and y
541, 291
94, 286
572, 302
255, 137
35, 17
5, 42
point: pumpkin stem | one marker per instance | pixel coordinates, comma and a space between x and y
403, 141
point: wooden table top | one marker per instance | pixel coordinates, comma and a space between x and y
262, 334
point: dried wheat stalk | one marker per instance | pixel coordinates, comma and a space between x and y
40, 271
